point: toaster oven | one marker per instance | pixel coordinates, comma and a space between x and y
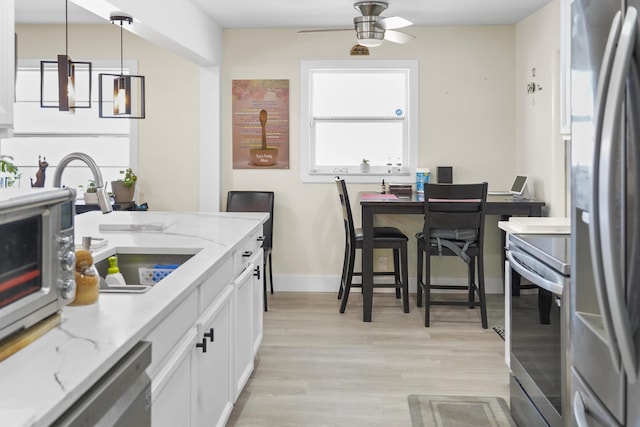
37, 255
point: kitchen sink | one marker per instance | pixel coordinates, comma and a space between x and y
130, 265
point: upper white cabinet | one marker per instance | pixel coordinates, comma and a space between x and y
7, 66
565, 68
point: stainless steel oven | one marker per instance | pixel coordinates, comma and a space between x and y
539, 329
37, 255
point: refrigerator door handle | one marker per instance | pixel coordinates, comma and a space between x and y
594, 214
579, 411
607, 204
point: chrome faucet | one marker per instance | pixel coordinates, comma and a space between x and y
103, 199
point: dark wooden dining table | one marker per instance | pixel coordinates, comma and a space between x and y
378, 204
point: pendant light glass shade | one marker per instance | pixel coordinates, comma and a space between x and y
121, 96
72, 80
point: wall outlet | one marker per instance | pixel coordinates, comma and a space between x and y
382, 263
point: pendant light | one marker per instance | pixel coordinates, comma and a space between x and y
121, 96
65, 69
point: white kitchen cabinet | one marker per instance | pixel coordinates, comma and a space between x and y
191, 378
243, 328
172, 365
214, 392
258, 303
7, 66
565, 68
203, 351
172, 388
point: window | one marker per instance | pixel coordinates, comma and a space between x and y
355, 110
52, 134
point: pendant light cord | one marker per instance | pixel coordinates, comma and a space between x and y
121, 51
66, 28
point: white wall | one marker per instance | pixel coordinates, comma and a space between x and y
540, 148
467, 120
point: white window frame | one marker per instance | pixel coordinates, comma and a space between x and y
410, 122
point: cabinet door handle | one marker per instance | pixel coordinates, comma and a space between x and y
256, 272
247, 254
202, 345
260, 239
209, 334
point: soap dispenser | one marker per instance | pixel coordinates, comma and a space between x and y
114, 277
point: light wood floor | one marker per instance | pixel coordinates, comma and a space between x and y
317, 367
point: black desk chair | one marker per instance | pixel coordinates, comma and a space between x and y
453, 226
257, 201
384, 238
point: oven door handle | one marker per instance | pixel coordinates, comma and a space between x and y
523, 264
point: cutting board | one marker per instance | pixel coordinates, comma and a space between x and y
21, 339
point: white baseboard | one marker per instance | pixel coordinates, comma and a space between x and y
493, 285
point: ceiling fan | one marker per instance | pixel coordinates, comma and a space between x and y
371, 28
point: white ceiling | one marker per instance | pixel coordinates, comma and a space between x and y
308, 13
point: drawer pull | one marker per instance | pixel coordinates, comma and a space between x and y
256, 272
209, 334
260, 239
202, 345
246, 254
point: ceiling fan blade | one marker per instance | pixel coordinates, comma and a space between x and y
324, 30
393, 22
398, 36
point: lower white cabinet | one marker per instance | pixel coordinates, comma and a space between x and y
171, 391
204, 349
258, 303
193, 386
172, 365
214, 392
243, 328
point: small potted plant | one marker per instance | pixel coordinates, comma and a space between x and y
90, 193
9, 175
124, 188
365, 166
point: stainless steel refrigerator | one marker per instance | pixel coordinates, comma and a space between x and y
605, 213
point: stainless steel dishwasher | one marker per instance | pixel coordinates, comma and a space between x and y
121, 398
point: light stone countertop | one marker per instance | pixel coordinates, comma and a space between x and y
536, 225
39, 382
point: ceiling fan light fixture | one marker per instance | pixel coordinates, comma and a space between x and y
373, 41
367, 33
371, 28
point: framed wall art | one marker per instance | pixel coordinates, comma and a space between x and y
260, 124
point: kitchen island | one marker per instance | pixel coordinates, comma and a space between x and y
217, 287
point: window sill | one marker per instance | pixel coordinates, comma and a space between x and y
360, 178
